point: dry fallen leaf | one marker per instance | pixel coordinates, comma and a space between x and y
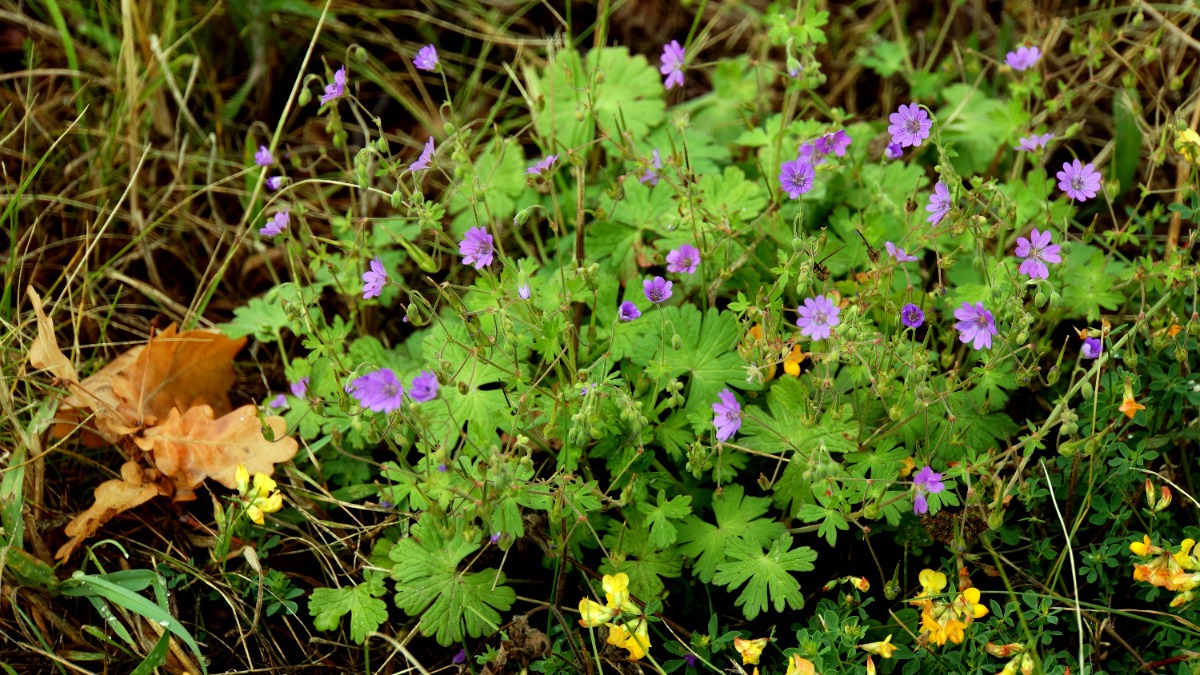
135, 487
44, 352
140, 387
192, 446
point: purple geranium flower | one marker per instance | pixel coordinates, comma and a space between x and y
939, 203
523, 291
910, 125
336, 88
1037, 251
834, 144
691, 658
460, 657
628, 311
1092, 347
374, 279
277, 224
912, 316
495, 538
818, 316
898, 253
278, 402
894, 151
683, 259
300, 387
657, 290
1034, 142
651, 176
1080, 181
976, 325
263, 157
274, 182
1024, 58
423, 162
543, 165
926, 481
424, 387
672, 64
476, 248
796, 177
812, 153
427, 58
727, 415
379, 391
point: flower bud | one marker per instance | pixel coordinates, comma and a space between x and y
360, 54
305, 97
1151, 494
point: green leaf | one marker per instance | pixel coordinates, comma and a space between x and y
731, 198
451, 603
630, 551
1091, 278
490, 187
367, 612
738, 518
662, 530
608, 88
976, 125
1128, 151
831, 520
885, 58
766, 574
259, 318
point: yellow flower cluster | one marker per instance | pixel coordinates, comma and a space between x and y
756, 343
1179, 571
942, 621
1020, 661
262, 497
633, 635
1187, 142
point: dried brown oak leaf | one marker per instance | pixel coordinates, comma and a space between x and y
140, 387
44, 352
194, 445
135, 487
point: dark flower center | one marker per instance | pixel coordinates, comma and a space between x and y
1077, 183
981, 321
913, 125
820, 318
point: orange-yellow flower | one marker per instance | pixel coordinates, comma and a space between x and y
944, 627
593, 613
751, 650
616, 590
1130, 406
791, 363
800, 666
885, 649
968, 603
636, 641
1144, 547
909, 465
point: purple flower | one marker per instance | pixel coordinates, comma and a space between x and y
300, 387
1037, 251
427, 58
672, 64
727, 415
818, 316
543, 165
495, 538
424, 387
628, 311
796, 177
336, 88
460, 657
976, 325
1092, 347
910, 125
277, 224
651, 176
1081, 182
1034, 142
912, 316
274, 182
476, 248
263, 157
811, 153
691, 658
379, 391
939, 203
683, 259
278, 402
894, 151
898, 253
834, 144
374, 279
926, 481
1024, 58
523, 291
657, 290
426, 157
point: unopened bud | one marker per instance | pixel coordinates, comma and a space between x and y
1164, 498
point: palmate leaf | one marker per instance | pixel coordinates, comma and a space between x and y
766, 574
451, 603
631, 552
738, 518
367, 612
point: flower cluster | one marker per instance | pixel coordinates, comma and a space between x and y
797, 176
261, 497
1179, 571
941, 621
633, 634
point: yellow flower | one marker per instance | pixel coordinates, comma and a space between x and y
1004, 651
791, 362
753, 343
593, 613
932, 583
860, 583
263, 496
751, 650
616, 590
636, 641
909, 465
800, 666
243, 479
870, 665
1183, 557
970, 604
1187, 142
1130, 406
1144, 547
944, 627
884, 649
